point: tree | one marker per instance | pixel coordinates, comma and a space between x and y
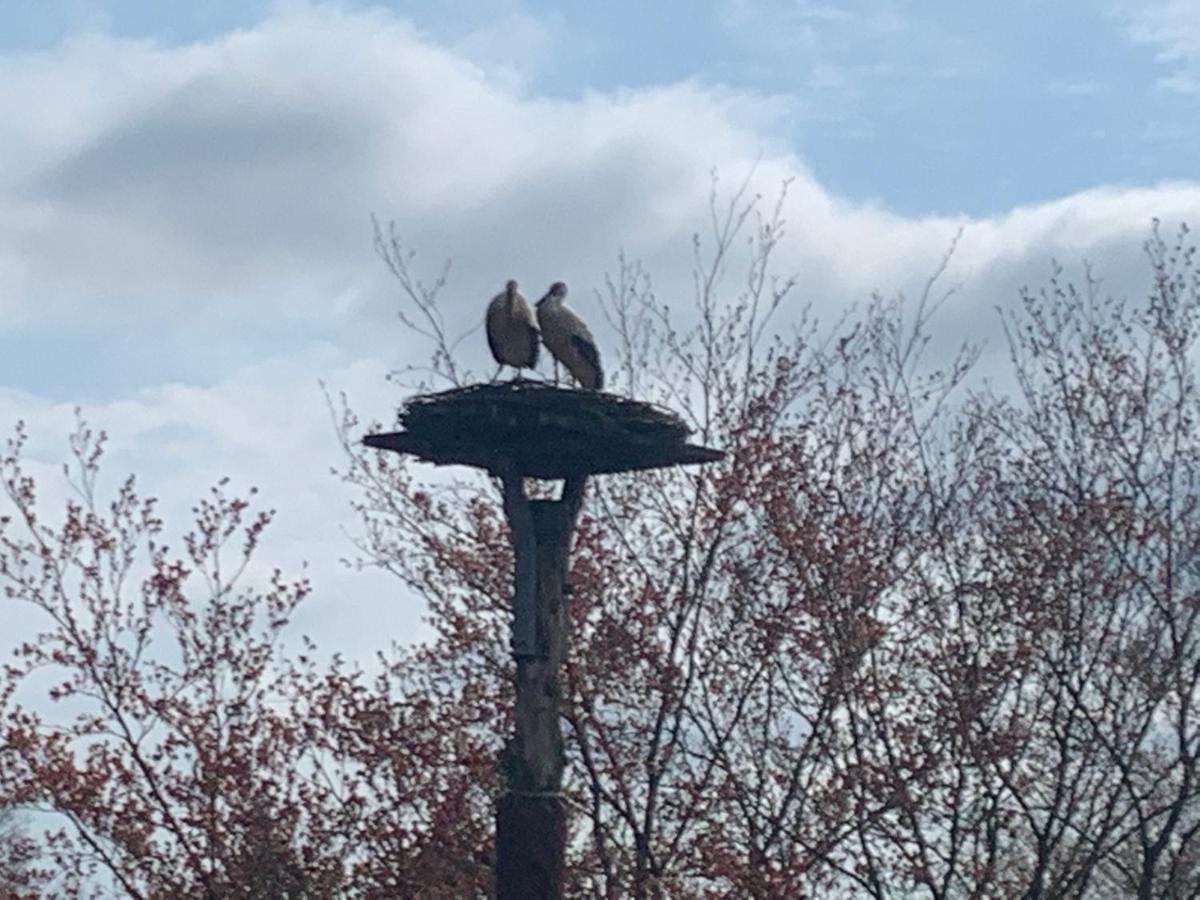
171, 768
912, 638
867, 654
18, 851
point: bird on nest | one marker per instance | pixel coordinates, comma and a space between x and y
512, 330
568, 339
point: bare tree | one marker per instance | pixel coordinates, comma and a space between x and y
908, 639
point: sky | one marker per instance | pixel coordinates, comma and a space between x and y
186, 193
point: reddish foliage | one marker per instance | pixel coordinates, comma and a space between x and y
905, 640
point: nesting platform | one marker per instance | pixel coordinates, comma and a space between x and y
539, 430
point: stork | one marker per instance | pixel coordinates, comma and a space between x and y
568, 339
512, 330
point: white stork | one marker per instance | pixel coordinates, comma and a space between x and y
512, 330
568, 339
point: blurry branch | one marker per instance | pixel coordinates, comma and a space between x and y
916, 335
427, 320
691, 355
625, 299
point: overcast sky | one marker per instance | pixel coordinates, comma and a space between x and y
186, 192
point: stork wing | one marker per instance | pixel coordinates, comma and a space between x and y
491, 327
587, 349
535, 343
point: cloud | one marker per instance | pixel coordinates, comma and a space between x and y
514, 49
818, 50
1173, 28
234, 188
1173, 25
237, 179
266, 426
199, 197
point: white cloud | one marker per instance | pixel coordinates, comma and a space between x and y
237, 176
223, 189
513, 49
1173, 27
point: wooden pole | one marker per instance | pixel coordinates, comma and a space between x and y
530, 429
531, 824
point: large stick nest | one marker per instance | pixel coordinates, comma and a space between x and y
541, 431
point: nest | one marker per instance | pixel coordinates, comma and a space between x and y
539, 430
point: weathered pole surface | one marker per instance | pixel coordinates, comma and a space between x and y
531, 826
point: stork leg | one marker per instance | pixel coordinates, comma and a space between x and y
556, 371
499, 369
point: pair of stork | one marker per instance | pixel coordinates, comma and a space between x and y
513, 333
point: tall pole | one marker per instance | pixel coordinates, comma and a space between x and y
531, 824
